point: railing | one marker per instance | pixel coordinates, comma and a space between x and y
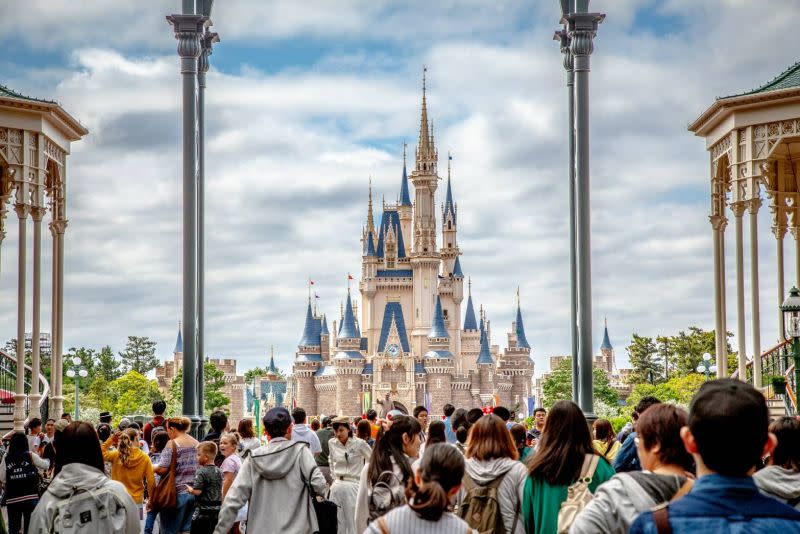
775, 362
8, 385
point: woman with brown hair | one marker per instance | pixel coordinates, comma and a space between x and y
249, 440
179, 519
604, 439
564, 454
666, 469
129, 465
435, 483
781, 478
491, 460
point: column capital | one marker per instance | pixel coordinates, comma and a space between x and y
563, 37
22, 210
38, 212
718, 222
779, 232
738, 208
795, 233
753, 205
582, 28
58, 227
188, 30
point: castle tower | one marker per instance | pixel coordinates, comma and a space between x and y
177, 352
348, 363
307, 361
424, 258
517, 365
325, 340
404, 207
607, 352
485, 365
439, 363
470, 339
449, 250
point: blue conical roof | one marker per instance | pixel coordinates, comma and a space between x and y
405, 198
179, 343
522, 341
272, 369
457, 269
348, 328
438, 328
325, 325
449, 206
310, 334
485, 355
370, 244
606, 341
469, 319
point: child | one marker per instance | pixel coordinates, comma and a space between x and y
159, 441
207, 489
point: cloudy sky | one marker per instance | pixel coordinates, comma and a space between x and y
307, 100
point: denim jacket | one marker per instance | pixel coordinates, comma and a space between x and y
627, 458
719, 504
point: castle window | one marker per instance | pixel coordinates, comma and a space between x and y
439, 383
449, 245
445, 314
349, 384
449, 225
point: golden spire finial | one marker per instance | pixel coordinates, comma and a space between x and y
370, 220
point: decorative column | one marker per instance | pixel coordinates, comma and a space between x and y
37, 214
188, 29
718, 223
57, 229
563, 37
6, 177
582, 27
780, 232
19, 393
738, 210
753, 207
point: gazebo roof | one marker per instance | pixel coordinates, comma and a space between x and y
788, 78
69, 125
8, 93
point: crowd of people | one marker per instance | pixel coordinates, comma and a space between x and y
721, 467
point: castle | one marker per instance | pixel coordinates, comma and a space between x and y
410, 347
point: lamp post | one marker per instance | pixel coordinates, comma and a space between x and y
791, 319
77, 372
706, 365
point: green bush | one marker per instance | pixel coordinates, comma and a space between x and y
618, 422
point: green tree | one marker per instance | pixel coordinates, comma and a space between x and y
107, 365
139, 355
213, 396
558, 386
643, 355
678, 390
88, 361
688, 348
255, 372
132, 393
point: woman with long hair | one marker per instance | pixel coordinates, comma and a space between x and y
248, 439
364, 431
383, 480
781, 477
520, 436
19, 474
179, 519
347, 457
491, 459
81, 462
564, 448
605, 442
428, 494
460, 429
129, 465
436, 433
666, 472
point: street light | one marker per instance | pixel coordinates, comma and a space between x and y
791, 319
77, 372
706, 365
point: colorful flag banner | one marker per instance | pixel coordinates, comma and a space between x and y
427, 402
367, 401
531, 405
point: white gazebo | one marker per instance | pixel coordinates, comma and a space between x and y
753, 142
35, 137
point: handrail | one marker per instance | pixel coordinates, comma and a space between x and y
789, 390
764, 355
44, 384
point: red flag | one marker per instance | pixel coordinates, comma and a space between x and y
349, 276
310, 282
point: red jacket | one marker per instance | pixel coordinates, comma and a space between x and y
156, 422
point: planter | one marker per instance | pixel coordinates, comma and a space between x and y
779, 385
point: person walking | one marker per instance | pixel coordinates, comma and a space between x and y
157, 422
348, 455
461, 429
159, 441
539, 419
491, 464
519, 435
449, 431
626, 458
275, 479
301, 432
564, 454
604, 439
81, 461
724, 497
781, 478
229, 445
364, 431
666, 474
383, 480
207, 490
421, 415
429, 494
436, 433
249, 440
129, 465
324, 435
179, 519
19, 475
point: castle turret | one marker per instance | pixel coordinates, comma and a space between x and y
439, 363
449, 249
607, 352
470, 339
348, 363
516, 365
485, 364
404, 207
308, 360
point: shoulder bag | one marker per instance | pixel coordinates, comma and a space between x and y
165, 495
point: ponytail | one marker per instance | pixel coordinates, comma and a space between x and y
125, 445
441, 470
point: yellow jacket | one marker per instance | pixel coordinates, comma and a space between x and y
134, 474
605, 451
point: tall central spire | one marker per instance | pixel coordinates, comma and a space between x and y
424, 136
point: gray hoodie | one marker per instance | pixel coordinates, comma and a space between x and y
617, 502
781, 483
271, 479
510, 490
82, 477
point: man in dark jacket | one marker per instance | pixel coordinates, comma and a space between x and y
324, 434
724, 498
627, 459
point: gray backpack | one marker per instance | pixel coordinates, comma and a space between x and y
95, 510
386, 494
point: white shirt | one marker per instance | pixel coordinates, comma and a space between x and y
304, 433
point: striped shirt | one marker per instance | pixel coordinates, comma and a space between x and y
404, 520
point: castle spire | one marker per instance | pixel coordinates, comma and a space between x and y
405, 198
424, 135
449, 205
179, 341
272, 369
348, 328
438, 329
485, 356
369, 245
310, 336
469, 319
606, 341
522, 341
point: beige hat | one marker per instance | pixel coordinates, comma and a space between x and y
341, 420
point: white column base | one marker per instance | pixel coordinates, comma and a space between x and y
56, 407
19, 412
33, 409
